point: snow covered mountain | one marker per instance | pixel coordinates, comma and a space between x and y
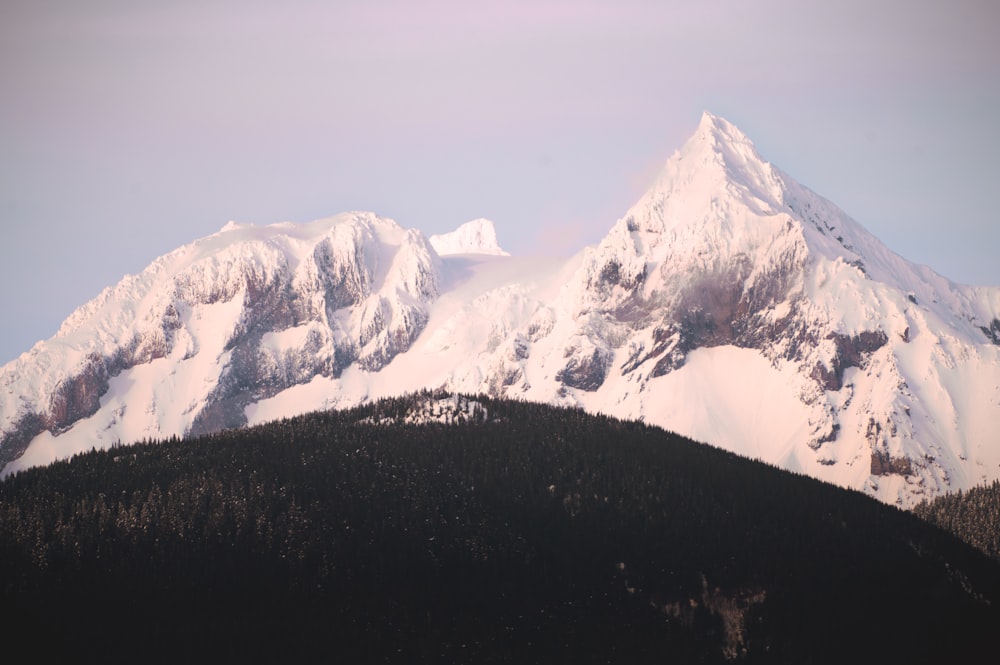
730, 304
476, 237
214, 326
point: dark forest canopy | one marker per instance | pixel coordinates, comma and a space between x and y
521, 533
973, 516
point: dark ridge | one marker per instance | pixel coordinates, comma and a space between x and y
523, 533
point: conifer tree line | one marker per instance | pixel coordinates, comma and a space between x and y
973, 516
522, 533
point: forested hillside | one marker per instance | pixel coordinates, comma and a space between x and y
973, 516
519, 533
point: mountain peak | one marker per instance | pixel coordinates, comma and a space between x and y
714, 169
721, 142
720, 132
476, 237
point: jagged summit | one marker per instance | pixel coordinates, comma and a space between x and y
476, 237
717, 198
720, 132
730, 304
744, 167
714, 169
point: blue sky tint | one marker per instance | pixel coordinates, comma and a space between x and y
128, 129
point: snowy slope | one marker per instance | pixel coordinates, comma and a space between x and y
894, 369
242, 314
476, 237
730, 304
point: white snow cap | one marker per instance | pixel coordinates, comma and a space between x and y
721, 142
475, 237
720, 129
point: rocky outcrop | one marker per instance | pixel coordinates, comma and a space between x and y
992, 331
584, 371
19, 435
883, 464
78, 396
851, 351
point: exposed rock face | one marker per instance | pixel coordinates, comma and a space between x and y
584, 372
78, 396
993, 331
19, 435
851, 351
884, 465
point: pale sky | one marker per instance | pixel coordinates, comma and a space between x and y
130, 128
